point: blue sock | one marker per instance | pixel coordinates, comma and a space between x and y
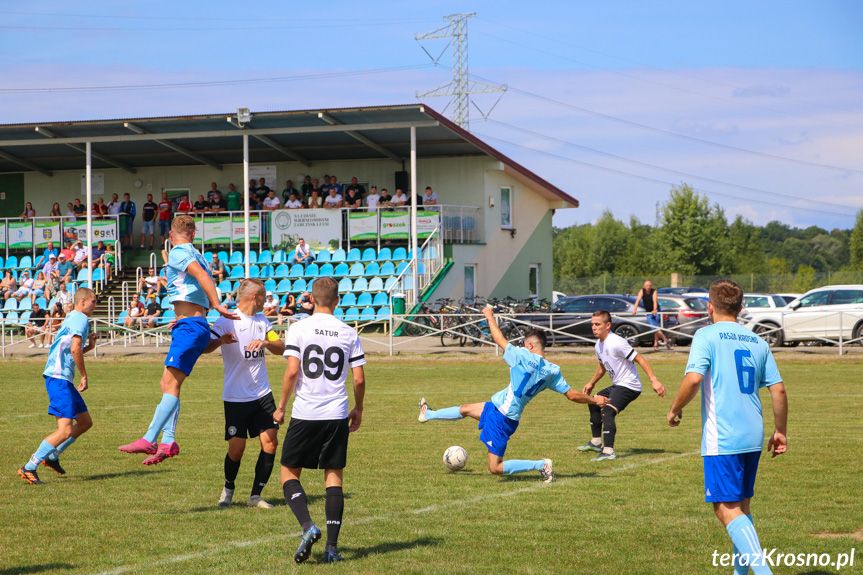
738, 568
170, 428
742, 533
44, 450
55, 455
164, 411
450, 413
521, 465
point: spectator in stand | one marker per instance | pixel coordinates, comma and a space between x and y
97, 254
271, 202
136, 310
357, 187
271, 305
217, 268
386, 200
57, 316
373, 198
24, 287
165, 209
96, 211
289, 189
67, 251
50, 250
214, 189
303, 254
287, 310
233, 199
28, 212
153, 311
36, 327
418, 198
334, 183
8, 286
130, 210
333, 200
51, 271
262, 191
56, 214
149, 218
316, 185
400, 199
80, 260
218, 203
70, 212
65, 298
307, 187
151, 284
353, 199
253, 186
79, 209
430, 198
325, 185
305, 304
115, 206
109, 260
293, 203
40, 284
185, 206
65, 268
103, 209
315, 201
201, 205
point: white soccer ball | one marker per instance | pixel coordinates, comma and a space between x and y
455, 458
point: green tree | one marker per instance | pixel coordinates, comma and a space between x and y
693, 235
805, 279
745, 250
856, 244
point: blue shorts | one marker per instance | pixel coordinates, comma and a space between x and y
189, 337
148, 227
653, 319
730, 478
496, 429
64, 399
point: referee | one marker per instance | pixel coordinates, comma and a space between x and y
320, 350
248, 399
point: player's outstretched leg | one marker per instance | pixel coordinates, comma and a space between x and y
168, 447
544, 466
295, 495
427, 413
609, 430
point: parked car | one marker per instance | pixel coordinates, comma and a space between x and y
762, 301
572, 316
689, 314
789, 297
699, 292
822, 313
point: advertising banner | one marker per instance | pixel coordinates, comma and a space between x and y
20, 234
320, 228
427, 222
254, 229
45, 232
213, 230
395, 225
363, 226
3, 235
103, 230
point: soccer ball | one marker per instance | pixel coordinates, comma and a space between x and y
455, 458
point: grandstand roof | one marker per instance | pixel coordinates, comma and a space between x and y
305, 136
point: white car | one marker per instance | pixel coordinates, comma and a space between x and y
759, 301
820, 314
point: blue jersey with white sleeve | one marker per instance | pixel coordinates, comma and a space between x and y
60, 363
735, 364
528, 375
181, 285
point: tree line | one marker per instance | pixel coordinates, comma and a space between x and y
694, 238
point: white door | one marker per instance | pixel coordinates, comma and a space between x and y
810, 318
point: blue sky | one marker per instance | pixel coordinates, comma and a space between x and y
757, 104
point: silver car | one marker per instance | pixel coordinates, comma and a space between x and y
683, 314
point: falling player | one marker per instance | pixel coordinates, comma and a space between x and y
249, 404
530, 373
617, 358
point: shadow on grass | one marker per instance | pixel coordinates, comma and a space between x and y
392, 547
104, 476
240, 502
818, 572
534, 478
35, 568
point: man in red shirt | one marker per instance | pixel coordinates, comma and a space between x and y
165, 208
185, 206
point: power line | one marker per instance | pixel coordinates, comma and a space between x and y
260, 18
191, 29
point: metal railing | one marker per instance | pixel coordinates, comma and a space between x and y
432, 260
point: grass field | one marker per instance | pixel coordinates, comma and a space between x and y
404, 512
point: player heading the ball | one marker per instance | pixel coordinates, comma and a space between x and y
529, 374
192, 292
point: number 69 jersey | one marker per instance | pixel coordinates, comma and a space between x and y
735, 364
326, 348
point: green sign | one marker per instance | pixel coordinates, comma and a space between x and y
20, 234
363, 226
395, 225
47, 232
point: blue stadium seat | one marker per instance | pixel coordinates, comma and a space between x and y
353, 255
26, 263
166, 317
299, 286
369, 255
357, 270
121, 317
25, 304
469, 224
339, 313
24, 319
236, 259
400, 254
383, 314
12, 263
268, 272
376, 284
401, 267
381, 298
341, 270
388, 269
12, 318
411, 254
364, 300
82, 276
283, 287
338, 255
166, 302
310, 284
1, 262
212, 315
266, 257
368, 314
237, 273
163, 273
225, 286
253, 256
326, 270
324, 256
270, 285
236, 286
42, 302
297, 271
98, 275
385, 255
345, 285
280, 257
223, 256
349, 300
372, 269
353, 314
407, 282
312, 271
254, 272
361, 285
282, 271
390, 283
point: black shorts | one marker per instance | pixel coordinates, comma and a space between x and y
315, 444
249, 418
619, 396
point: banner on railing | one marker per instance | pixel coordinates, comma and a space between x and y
395, 225
254, 229
20, 234
102, 231
320, 228
213, 230
363, 226
427, 222
47, 232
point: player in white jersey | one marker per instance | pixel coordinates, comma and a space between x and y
617, 358
730, 364
65, 402
529, 374
320, 351
248, 399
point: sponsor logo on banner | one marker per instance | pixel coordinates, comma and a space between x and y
363, 226
321, 229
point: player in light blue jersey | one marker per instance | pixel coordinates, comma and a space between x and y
192, 292
529, 373
65, 402
730, 364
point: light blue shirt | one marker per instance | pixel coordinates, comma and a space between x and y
528, 375
181, 285
60, 363
735, 364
